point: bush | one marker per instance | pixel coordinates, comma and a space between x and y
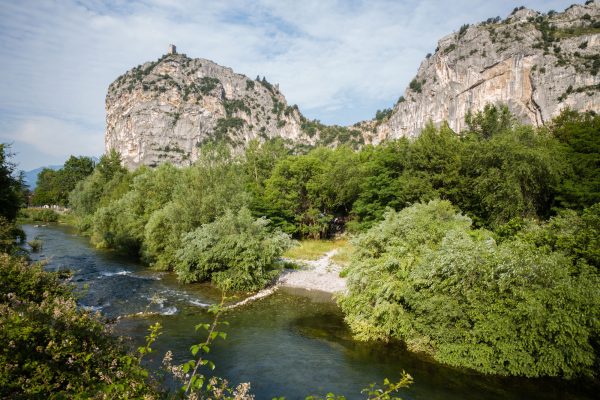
35, 244
52, 348
235, 252
425, 277
416, 85
39, 214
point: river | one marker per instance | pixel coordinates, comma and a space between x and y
293, 343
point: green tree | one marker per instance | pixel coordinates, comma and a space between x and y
236, 252
491, 120
425, 277
11, 187
54, 187
513, 174
305, 193
580, 132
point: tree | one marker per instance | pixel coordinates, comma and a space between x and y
425, 277
491, 120
54, 187
512, 174
11, 187
305, 193
236, 252
580, 132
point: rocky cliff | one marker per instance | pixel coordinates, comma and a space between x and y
165, 110
535, 63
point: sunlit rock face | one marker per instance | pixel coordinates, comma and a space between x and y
537, 64
166, 110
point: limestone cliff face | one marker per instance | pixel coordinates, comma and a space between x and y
165, 110
535, 63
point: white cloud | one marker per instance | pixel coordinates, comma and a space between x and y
338, 60
53, 139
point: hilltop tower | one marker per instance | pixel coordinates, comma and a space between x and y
172, 49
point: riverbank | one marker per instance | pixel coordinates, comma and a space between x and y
322, 275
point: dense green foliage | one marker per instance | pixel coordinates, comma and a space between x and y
580, 133
495, 172
149, 211
11, 187
53, 187
527, 305
236, 252
508, 285
305, 193
38, 214
12, 197
53, 348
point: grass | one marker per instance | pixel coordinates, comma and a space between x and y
342, 257
35, 244
315, 249
577, 31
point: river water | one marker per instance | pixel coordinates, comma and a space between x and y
293, 343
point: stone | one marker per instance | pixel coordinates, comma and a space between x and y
510, 62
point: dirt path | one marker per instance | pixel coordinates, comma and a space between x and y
321, 274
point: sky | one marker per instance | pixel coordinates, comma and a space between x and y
340, 61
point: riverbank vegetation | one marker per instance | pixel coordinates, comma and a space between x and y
478, 247
53, 186
525, 304
311, 249
52, 348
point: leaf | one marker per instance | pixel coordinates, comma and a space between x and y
202, 326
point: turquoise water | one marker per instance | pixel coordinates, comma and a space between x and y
293, 343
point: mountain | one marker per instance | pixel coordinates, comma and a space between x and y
537, 64
165, 110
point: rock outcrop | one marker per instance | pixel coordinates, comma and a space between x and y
165, 110
535, 63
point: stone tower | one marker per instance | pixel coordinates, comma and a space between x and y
172, 49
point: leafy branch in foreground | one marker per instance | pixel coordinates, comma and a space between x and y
374, 392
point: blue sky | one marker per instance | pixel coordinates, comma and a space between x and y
339, 61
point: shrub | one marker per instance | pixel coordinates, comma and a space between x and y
235, 252
35, 244
39, 214
424, 276
416, 85
53, 348
208, 84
